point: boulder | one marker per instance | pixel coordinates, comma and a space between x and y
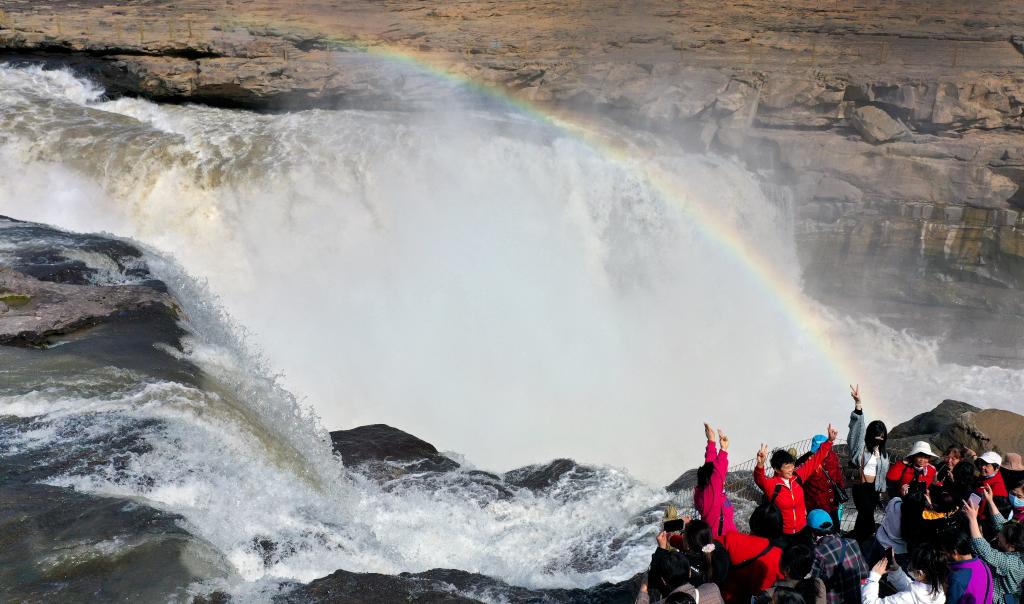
544, 476
876, 126
383, 443
985, 429
930, 423
443, 585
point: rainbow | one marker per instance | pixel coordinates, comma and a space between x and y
786, 296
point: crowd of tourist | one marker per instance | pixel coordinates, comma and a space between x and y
951, 531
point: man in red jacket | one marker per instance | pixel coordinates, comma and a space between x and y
785, 488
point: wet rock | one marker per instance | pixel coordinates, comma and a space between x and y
60, 545
445, 586
985, 429
876, 126
544, 476
380, 442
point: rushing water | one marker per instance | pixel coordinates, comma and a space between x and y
486, 282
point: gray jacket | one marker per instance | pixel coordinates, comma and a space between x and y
858, 454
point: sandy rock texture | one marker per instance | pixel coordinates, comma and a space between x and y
898, 125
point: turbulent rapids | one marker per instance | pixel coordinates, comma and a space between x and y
467, 273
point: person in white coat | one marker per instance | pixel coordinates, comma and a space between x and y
922, 583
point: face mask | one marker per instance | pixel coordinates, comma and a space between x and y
1017, 502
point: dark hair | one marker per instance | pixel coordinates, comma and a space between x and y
804, 592
943, 499
680, 597
953, 449
955, 542
1013, 533
668, 571
796, 561
874, 430
780, 458
930, 562
965, 477
698, 534
766, 521
704, 474
788, 595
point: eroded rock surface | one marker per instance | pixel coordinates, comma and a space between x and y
931, 216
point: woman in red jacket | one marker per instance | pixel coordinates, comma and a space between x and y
785, 487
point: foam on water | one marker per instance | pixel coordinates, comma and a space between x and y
480, 281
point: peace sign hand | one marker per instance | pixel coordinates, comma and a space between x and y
762, 454
855, 393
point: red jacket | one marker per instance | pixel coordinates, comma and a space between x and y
791, 498
901, 473
746, 578
818, 491
711, 501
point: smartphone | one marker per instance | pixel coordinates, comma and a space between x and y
975, 499
891, 557
672, 526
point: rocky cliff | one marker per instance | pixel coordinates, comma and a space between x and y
897, 126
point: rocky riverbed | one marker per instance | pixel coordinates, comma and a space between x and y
896, 127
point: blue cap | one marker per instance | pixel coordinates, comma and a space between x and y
819, 520
816, 442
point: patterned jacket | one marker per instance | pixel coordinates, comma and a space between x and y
1008, 567
839, 563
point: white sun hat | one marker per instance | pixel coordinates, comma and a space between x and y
992, 457
921, 447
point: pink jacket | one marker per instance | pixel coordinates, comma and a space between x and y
711, 501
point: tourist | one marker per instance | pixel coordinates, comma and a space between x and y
825, 488
1012, 469
922, 583
988, 467
754, 559
970, 579
709, 559
837, 560
709, 497
950, 459
912, 476
869, 456
1007, 563
889, 536
785, 488
796, 564
670, 574
925, 519
1017, 500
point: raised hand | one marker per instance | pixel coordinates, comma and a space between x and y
855, 393
709, 432
723, 440
832, 433
986, 492
882, 566
971, 510
762, 454
663, 540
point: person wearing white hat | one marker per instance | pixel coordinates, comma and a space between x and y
988, 466
915, 474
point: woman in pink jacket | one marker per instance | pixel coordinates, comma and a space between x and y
709, 496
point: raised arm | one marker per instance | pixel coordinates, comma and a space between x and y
857, 427
722, 460
812, 464
710, 454
759, 478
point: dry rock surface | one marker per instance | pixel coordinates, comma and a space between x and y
897, 125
